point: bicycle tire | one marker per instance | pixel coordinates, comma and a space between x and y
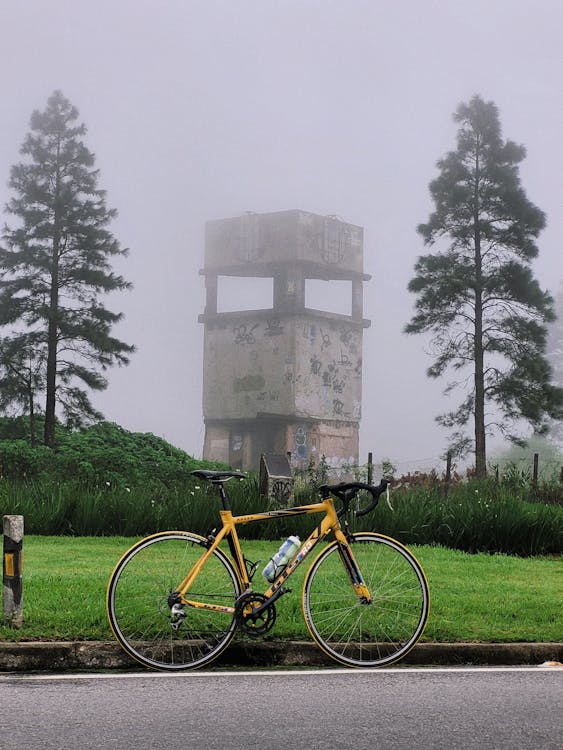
366, 635
138, 609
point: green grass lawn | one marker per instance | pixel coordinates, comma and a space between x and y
473, 597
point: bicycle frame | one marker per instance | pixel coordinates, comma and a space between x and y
330, 523
175, 599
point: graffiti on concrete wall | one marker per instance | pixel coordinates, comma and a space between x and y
273, 327
244, 335
300, 442
332, 380
307, 366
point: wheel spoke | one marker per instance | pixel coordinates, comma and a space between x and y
138, 608
360, 634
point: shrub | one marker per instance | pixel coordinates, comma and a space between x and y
18, 460
476, 517
108, 453
104, 453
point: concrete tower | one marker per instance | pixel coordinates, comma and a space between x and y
287, 378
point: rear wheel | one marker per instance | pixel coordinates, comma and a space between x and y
361, 634
139, 602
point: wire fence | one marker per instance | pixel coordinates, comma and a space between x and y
530, 469
534, 465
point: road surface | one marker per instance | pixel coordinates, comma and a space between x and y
493, 708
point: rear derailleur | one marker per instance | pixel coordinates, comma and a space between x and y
177, 613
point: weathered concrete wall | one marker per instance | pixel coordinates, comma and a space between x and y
337, 441
307, 365
246, 365
240, 443
216, 445
327, 369
262, 239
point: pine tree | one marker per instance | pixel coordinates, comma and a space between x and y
476, 293
21, 376
56, 264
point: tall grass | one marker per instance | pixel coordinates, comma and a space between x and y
476, 517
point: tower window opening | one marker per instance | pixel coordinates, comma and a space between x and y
333, 296
236, 293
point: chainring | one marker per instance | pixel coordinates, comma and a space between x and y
248, 620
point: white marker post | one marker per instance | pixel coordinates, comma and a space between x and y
12, 570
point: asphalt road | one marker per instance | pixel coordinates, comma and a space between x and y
491, 708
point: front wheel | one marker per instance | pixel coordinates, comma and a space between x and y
139, 607
349, 629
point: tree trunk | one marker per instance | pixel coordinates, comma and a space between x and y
51, 375
32, 421
479, 377
480, 439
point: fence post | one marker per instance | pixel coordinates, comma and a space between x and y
535, 474
370, 467
12, 570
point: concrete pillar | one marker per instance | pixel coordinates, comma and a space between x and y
357, 299
12, 570
211, 294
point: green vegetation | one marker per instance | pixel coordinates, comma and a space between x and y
106, 481
473, 597
84, 504
495, 598
476, 517
516, 462
103, 455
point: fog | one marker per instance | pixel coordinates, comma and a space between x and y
205, 110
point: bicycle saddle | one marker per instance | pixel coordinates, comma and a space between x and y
217, 476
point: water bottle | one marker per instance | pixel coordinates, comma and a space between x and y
281, 558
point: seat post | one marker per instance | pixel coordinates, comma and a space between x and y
224, 497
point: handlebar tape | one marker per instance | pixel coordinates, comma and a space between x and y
345, 491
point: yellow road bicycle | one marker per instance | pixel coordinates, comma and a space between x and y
175, 599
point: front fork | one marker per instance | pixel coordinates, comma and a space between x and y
344, 541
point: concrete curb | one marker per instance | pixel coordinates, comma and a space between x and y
75, 655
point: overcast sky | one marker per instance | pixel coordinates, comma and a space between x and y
203, 110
